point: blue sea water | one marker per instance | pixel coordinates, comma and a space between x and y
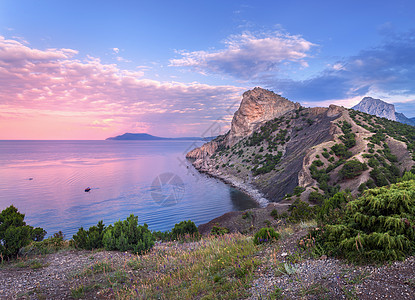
46, 181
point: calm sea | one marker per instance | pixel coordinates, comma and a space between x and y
46, 180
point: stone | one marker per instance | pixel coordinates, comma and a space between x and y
376, 107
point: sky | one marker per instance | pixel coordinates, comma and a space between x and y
95, 69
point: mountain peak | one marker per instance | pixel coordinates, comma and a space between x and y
376, 107
257, 106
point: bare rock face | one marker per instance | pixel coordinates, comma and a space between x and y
257, 107
203, 151
376, 107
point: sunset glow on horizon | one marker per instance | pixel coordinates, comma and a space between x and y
119, 69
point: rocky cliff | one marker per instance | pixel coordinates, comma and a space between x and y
280, 151
376, 107
257, 107
382, 109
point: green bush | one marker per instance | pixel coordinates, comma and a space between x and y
300, 211
247, 215
128, 235
316, 198
91, 238
332, 208
352, 168
162, 235
274, 214
14, 233
298, 190
318, 163
407, 176
341, 151
50, 245
265, 235
185, 230
379, 226
217, 230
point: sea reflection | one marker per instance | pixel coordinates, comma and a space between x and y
46, 180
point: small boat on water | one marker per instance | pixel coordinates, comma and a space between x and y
87, 189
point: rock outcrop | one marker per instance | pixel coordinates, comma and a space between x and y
257, 107
376, 107
205, 150
382, 109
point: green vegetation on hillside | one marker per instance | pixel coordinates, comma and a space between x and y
378, 226
261, 152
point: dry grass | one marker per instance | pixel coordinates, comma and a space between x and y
215, 267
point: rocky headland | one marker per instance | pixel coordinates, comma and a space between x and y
277, 150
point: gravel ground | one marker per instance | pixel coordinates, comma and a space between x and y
52, 278
328, 278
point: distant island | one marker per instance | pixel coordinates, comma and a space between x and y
148, 137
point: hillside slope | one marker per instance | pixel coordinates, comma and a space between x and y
309, 152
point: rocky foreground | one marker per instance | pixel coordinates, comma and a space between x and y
278, 271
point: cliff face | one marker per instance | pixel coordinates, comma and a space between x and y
382, 109
257, 107
376, 107
276, 147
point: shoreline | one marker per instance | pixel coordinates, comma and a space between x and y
238, 183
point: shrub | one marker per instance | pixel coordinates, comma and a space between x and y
14, 233
185, 230
300, 211
379, 226
318, 163
407, 176
217, 230
162, 235
91, 238
332, 208
265, 235
341, 151
274, 213
352, 168
247, 215
298, 190
128, 235
38, 234
315, 197
50, 245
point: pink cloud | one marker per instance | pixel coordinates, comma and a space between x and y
44, 85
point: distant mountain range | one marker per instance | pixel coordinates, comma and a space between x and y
148, 137
382, 109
